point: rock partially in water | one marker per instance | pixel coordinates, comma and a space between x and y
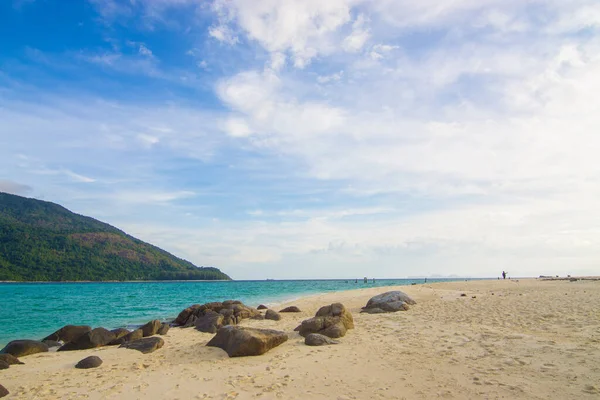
68, 333
89, 362
315, 339
22, 348
95, 338
145, 345
240, 341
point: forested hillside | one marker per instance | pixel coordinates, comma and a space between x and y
42, 241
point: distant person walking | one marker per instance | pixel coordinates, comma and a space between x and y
504, 274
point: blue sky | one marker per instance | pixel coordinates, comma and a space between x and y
305, 138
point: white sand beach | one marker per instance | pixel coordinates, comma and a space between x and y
526, 339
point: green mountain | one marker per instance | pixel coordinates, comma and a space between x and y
42, 241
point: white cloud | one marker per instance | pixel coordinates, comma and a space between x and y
145, 51
359, 36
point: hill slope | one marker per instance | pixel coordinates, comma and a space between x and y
42, 241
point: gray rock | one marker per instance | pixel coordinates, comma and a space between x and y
10, 359
274, 315
4, 365
332, 321
232, 310
95, 338
130, 337
21, 348
145, 345
151, 328
164, 328
120, 332
68, 333
210, 322
262, 307
89, 362
240, 341
3, 391
315, 339
290, 309
389, 302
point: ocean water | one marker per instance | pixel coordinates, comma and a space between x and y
35, 310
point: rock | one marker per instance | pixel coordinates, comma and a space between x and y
259, 317
290, 309
4, 365
130, 337
120, 332
375, 310
145, 345
233, 311
68, 333
389, 302
89, 362
274, 315
21, 348
262, 307
463, 295
52, 343
210, 322
151, 328
3, 391
332, 321
164, 328
240, 341
10, 359
315, 339
95, 338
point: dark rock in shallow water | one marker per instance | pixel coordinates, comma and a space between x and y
389, 302
95, 338
315, 339
68, 333
3, 391
151, 328
262, 307
290, 309
10, 359
145, 345
21, 348
273, 315
130, 337
164, 328
240, 341
332, 321
4, 365
52, 343
89, 362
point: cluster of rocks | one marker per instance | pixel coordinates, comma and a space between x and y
210, 317
330, 322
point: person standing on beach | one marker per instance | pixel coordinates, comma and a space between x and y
503, 274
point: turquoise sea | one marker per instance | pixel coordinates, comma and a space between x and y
34, 310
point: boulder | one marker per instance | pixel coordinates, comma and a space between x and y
120, 332
89, 362
315, 339
10, 359
259, 317
4, 365
52, 343
262, 307
290, 309
233, 311
375, 310
95, 338
164, 328
274, 315
130, 337
332, 321
145, 345
21, 348
151, 328
68, 333
210, 322
3, 391
240, 341
389, 302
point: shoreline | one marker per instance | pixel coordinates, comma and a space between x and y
518, 339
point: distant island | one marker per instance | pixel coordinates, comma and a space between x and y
43, 241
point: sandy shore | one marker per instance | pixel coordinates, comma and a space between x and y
525, 339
